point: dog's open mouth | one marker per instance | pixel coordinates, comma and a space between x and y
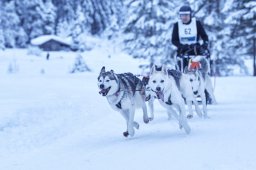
104, 92
160, 95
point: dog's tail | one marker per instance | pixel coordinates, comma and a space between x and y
204, 65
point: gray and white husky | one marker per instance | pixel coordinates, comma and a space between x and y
201, 81
124, 92
169, 96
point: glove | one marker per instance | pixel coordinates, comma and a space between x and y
204, 49
205, 45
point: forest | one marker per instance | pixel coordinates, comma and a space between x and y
143, 27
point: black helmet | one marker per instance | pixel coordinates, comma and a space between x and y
185, 10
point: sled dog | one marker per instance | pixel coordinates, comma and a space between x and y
124, 92
201, 80
198, 84
184, 86
168, 95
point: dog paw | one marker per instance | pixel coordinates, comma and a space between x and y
151, 118
187, 130
189, 116
146, 120
125, 134
206, 117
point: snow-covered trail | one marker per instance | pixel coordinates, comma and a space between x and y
61, 122
58, 120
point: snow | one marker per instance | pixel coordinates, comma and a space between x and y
55, 120
44, 38
227, 6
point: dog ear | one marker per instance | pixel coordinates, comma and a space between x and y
158, 68
112, 73
164, 69
102, 70
153, 69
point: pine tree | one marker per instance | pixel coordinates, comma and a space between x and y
98, 14
240, 18
2, 42
221, 26
9, 24
65, 14
116, 19
49, 17
149, 27
37, 18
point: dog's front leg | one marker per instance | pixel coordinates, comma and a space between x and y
145, 113
182, 119
125, 114
130, 123
151, 108
197, 108
128, 114
190, 111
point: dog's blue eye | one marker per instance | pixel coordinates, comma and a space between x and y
191, 80
154, 81
162, 81
107, 80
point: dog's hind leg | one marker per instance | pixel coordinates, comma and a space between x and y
209, 89
204, 104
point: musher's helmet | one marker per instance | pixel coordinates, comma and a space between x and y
185, 10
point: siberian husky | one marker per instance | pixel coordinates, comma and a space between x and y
185, 87
201, 81
198, 86
124, 92
168, 95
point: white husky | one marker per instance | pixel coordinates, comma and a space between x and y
124, 92
168, 95
185, 87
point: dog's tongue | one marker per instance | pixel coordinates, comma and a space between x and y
160, 95
102, 92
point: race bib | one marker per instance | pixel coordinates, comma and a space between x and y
188, 33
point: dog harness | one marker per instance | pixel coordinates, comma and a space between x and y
194, 65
